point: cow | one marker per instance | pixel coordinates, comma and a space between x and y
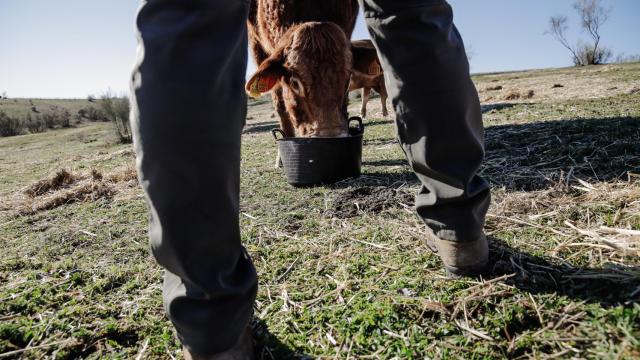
367, 74
303, 52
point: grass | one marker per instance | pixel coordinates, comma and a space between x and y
343, 270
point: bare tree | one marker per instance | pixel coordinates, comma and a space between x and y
558, 28
592, 16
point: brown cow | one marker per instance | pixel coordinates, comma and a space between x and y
304, 56
367, 74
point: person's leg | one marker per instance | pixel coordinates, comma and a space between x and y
188, 110
439, 121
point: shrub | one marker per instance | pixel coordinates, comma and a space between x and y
624, 58
94, 114
64, 118
34, 124
56, 118
48, 119
589, 55
10, 126
117, 110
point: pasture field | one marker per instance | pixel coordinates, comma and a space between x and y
21, 107
343, 270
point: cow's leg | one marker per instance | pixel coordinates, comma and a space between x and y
285, 121
382, 90
438, 120
366, 91
191, 78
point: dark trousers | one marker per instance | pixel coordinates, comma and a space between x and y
188, 110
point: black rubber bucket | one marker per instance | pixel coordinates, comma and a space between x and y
316, 161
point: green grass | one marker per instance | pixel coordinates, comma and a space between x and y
340, 281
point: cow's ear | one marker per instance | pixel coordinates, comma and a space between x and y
265, 78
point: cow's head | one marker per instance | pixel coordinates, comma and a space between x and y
312, 65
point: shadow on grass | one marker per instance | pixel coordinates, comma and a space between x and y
500, 106
388, 179
539, 156
268, 347
260, 127
386, 162
542, 155
377, 122
611, 286
485, 108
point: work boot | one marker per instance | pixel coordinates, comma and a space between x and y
243, 350
461, 258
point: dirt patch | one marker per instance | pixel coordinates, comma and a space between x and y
494, 88
370, 199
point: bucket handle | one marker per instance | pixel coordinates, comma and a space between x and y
360, 127
275, 133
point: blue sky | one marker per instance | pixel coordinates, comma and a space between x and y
72, 48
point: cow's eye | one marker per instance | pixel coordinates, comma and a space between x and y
296, 86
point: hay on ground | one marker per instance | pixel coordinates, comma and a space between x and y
60, 179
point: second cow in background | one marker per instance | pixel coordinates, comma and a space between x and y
367, 74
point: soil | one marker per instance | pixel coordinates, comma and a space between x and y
351, 202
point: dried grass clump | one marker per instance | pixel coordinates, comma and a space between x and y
514, 95
567, 211
494, 88
87, 191
59, 180
65, 187
128, 174
96, 175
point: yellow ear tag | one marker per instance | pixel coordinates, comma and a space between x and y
261, 85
